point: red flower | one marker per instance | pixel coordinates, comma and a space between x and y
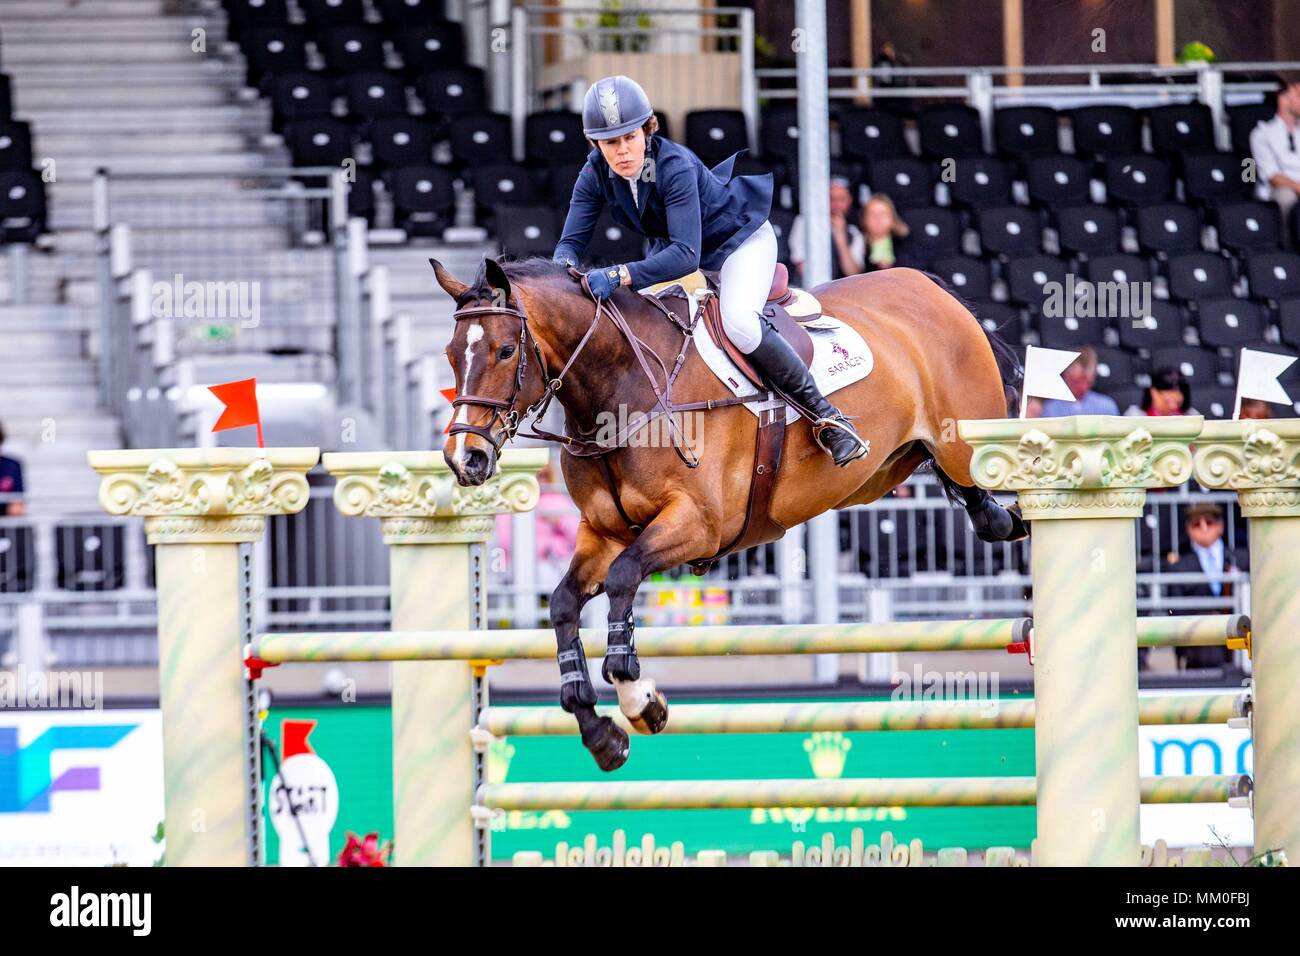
365, 852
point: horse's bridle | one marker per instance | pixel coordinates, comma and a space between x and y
504, 411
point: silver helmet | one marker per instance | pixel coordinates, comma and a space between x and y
614, 106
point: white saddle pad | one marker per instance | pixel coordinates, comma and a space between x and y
840, 357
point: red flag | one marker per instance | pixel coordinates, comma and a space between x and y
293, 737
240, 399
449, 394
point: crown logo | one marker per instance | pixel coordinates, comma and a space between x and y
827, 751
499, 754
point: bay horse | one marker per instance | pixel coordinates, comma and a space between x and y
528, 330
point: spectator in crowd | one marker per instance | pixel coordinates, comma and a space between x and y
1168, 394
1275, 144
1255, 408
882, 225
1080, 375
1209, 555
11, 483
848, 248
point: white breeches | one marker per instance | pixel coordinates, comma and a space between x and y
745, 279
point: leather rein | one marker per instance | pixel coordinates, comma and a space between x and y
509, 416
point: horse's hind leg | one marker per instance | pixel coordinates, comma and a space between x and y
606, 741
990, 520
678, 534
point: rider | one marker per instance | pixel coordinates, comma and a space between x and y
695, 218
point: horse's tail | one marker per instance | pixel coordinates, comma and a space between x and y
1009, 367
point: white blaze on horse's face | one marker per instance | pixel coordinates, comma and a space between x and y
472, 336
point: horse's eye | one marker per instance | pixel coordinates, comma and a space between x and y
506, 352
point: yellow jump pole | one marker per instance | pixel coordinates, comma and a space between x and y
1257, 460
203, 508
436, 532
1081, 482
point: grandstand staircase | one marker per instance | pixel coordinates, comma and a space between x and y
116, 83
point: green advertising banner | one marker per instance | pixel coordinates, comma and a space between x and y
356, 742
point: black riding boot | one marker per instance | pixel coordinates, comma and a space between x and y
780, 364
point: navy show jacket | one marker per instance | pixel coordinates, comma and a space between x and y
694, 216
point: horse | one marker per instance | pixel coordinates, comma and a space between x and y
646, 508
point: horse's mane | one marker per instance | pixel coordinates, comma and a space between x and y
526, 267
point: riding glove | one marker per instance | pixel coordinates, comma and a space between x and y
604, 282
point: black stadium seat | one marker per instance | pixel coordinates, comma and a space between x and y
1137, 180
1198, 365
1115, 369
970, 277
1070, 331
322, 15
22, 205
552, 136
453, 91
950, 132
321, 141
402, 15
1104, 132
1023, 132
1181, 128
1230, 322
713, 135
1215, 179
1120, 267
298, 96
1242, 120
526, 230
499, 183
1274, 276
15, 145
433, 46
867, 134
482, 138
1056, 181
1010, 231
1199, 275
1088, 230
424, 202
611, 243
1247, 228
908, 182
778, 136
933, 233
1026, 278
980, 182
352, 49
1168, 229
1165, 326
401, 141
375, 94
245, 15
274, 51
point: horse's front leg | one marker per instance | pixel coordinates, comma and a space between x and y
680, 533
592, 557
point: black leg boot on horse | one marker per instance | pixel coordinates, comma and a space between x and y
778, 362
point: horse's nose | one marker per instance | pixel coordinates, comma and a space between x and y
476, 466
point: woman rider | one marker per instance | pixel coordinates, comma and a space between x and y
696, 218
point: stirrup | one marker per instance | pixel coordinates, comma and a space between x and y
864, 446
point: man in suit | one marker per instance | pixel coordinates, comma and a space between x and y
1209, 554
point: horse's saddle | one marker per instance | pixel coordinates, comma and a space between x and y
787, 309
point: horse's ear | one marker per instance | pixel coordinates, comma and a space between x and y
497, 279
448, 282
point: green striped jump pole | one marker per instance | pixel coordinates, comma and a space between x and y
203, 508
1081, 482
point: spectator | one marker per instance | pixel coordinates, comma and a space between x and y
882, 225
1168, 394
1276, 151
1079, 376
1208, 555
11, 484
848, 248
1255, 408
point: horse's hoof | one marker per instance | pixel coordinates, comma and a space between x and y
653, 717
608, 743
644, 707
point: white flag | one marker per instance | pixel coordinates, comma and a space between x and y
1257, 377
1043, 368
